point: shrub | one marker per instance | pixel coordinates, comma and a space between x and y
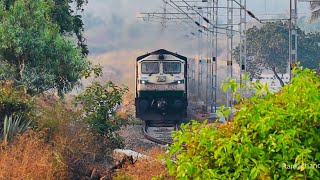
272, 136
14, 102
12, 126
99, 103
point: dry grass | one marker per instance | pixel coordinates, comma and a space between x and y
29, 157
146, 169
70, 136
66, 150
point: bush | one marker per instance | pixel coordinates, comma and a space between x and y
14, 102
99, 103
13, 126
273, 136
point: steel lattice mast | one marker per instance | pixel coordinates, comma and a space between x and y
214, 63
229, 48
200, 69
293, 36
243, 40
164, 16
208, 59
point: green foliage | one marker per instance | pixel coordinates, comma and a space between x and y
99, 103
90, 70
14, 125
63, 14
33, 44
122, 177
14, 101
6, 71
70, 22
273, 136
15, 111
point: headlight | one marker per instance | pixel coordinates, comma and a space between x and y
143, 82
179, 82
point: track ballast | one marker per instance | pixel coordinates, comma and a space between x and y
159, 133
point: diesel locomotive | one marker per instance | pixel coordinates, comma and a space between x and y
161, 79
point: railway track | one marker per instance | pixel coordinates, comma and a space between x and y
160, 134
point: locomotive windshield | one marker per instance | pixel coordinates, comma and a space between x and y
171, 67
150, 68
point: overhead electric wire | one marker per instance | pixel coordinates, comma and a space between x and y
178, 8
175, 6
248, 12
204, 18
179, 11
185, 21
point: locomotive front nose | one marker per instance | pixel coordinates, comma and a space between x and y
161, 104
178, 104
143, 104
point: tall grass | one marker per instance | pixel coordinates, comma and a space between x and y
28, 156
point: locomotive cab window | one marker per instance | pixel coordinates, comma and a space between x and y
171, 67
150, 68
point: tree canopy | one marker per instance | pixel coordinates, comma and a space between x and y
33, 44
64, 14
268, 48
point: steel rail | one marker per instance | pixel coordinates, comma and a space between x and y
154, 139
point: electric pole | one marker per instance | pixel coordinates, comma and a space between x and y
164, 16
229, 48
214, 63
293, 36
243, 40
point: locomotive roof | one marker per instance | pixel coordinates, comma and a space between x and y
162, 51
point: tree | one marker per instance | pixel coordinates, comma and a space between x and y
70, 23
32, 43
63, 14
268, 48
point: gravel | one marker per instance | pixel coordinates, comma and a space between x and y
134, 138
